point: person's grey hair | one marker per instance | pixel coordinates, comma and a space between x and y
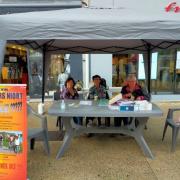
131, 77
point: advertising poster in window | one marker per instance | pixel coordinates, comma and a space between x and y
13, 132
178, 60
154, 65
141, 72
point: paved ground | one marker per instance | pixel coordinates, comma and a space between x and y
108, 158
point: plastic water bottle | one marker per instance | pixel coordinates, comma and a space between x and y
40, 108
63, 105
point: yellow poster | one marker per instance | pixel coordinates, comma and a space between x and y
13, 132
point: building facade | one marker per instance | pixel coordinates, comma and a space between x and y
17, 6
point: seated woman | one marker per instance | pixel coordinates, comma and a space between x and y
132, 91
97, 91
69, 92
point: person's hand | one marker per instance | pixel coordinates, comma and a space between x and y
128, 95
138, 98
132, 98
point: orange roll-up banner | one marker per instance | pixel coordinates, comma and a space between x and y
13, 132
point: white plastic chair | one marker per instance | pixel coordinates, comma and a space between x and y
42, 132
59, 123
174, 125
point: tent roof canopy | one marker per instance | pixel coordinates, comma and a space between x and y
128, 26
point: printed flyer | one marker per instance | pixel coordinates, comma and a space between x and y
13, 132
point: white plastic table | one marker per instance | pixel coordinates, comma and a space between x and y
73, 108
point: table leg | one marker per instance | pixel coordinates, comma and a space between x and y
69, 133
140, 139
145, 148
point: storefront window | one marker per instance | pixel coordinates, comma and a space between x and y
14, 70
56, 67
35, 74
123, 64
165, 72
141, 69
177, 73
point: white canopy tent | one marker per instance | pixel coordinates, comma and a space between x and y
133, 19
130, 26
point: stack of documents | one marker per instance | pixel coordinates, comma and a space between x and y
115, 99
142, 106
131, 105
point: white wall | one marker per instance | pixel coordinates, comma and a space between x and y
101, 64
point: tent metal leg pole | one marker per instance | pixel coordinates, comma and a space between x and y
43, 77
149, 67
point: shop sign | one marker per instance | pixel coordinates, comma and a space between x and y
13, 132
173, 6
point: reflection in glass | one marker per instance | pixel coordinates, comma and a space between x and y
35, 74
122, 65
165, 72
177, 73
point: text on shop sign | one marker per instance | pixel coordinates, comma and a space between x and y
172, 7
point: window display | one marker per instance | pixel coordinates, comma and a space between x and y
14, 69
35, 74
165, 71
122, 65
56, 68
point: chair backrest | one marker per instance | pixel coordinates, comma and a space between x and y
43, 119
107, 95
146, 93
171, 113
30, 110
103, 82
56, 96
